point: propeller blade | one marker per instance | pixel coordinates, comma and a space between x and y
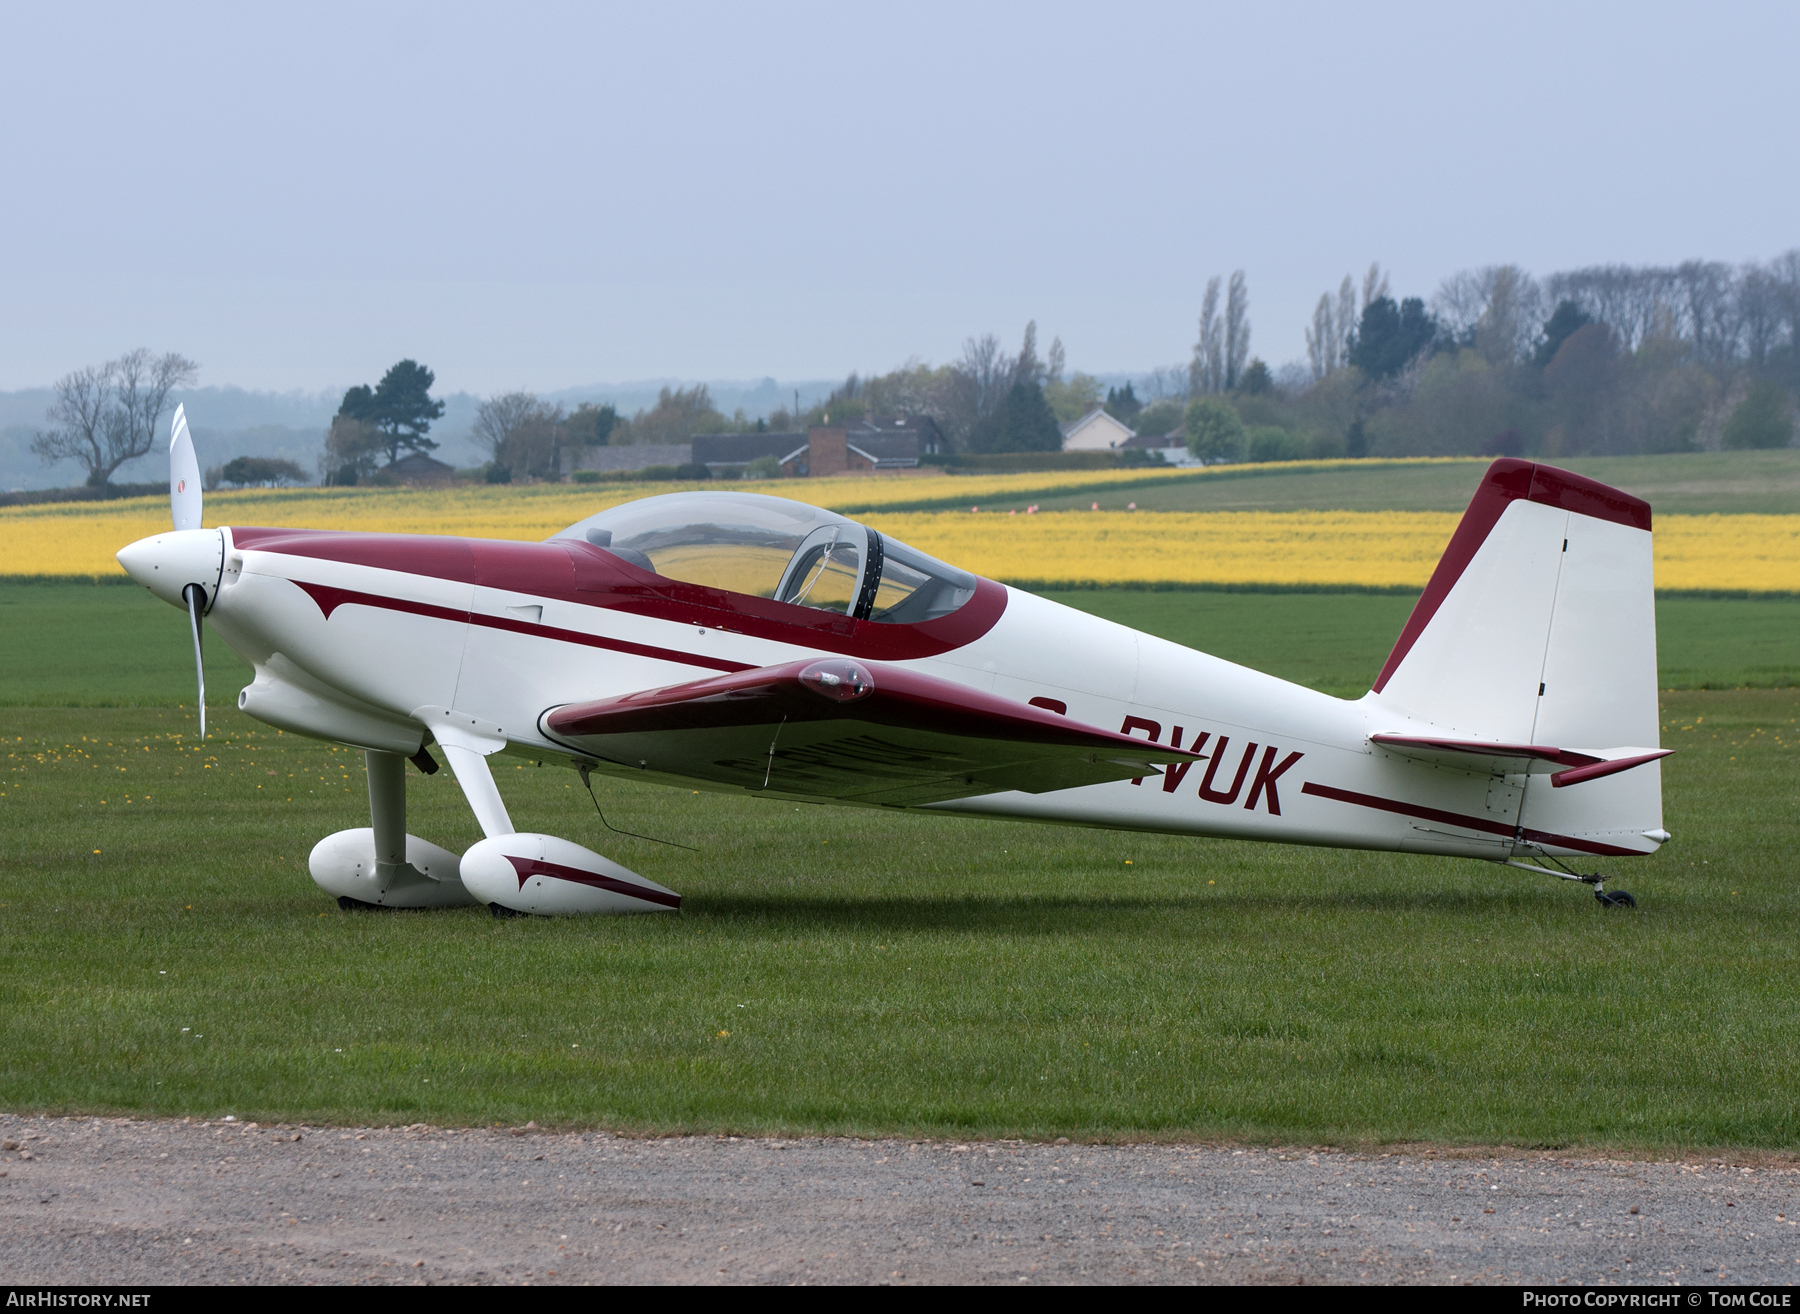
195, 597
184, 474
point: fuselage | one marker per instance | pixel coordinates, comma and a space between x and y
361, 637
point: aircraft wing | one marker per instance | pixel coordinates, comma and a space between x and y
851, 732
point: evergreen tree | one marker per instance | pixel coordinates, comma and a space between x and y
1558, 329
359, 404
397, 411
1123, 403
1256, 380
1389, 336
403, 409
1024, 423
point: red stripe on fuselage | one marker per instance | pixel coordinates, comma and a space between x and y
330, 599
1424, 813
576, 572
1406, 809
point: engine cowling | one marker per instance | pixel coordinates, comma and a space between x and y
344, 865
542, 874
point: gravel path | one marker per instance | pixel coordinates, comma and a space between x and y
115, 1201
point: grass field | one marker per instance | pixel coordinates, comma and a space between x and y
162, 950
1688, 483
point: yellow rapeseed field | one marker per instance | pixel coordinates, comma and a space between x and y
1184, 547
1760, 553
79, 538
1363, 548
74, 537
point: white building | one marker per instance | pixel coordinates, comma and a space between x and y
1172, 447
1096, 432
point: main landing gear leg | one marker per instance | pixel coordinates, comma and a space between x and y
382, 866
1616, 899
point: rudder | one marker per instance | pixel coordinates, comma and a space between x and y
1538, 627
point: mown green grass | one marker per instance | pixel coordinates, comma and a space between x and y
880, 972
79, 644
1687, 483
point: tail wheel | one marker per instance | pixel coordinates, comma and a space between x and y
1615, 899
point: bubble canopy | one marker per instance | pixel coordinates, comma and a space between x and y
773, 547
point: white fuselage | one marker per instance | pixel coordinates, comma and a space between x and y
360, 653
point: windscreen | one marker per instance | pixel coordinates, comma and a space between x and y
773, 547
915, 587
737, 541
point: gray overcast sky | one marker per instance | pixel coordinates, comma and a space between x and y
546, 195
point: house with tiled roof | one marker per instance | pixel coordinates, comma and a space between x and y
860, 448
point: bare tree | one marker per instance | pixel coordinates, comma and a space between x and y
1057, 360
1028, 368
1375, 285
1509, 319
912, 389
1709, 310
1321, 340
522, 432
1515, 310
108, 414
1237, 329
1207, 372
1785, 270
679, 414
991, 372
1637, 303
1346, 318
1459, 303
1496, 309
1760, 313
351, 449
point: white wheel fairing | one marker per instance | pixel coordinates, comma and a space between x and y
548, 876
343, 865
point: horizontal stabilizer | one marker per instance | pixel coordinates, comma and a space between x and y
1568, 766
849, 731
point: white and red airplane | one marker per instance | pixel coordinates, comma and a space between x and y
747, 643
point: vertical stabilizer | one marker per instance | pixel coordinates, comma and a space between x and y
1539, 627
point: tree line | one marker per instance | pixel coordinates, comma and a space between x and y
1608, 359
987, 400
